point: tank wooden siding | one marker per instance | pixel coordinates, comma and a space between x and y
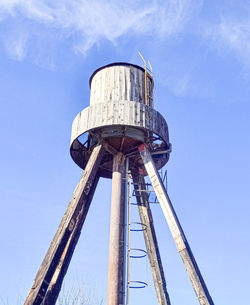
119, 112
120, 82
117, 99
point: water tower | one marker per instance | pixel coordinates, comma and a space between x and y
120, 133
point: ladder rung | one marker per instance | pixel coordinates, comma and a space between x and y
138, 250
140, 284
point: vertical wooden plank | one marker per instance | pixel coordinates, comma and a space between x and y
126, 80
123, 80
112, 72
142, 86
133, 83
128, 84
102, 85
106, 84
176, 230
136, 85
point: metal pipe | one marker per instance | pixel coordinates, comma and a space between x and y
117, 224
128, 254
125, 233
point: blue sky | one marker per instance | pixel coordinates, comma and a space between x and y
200, 53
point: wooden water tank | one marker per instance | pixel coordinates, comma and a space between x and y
121, 114
121, 81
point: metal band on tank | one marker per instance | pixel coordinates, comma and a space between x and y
111, 65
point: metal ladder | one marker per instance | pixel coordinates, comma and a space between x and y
142, 253
148, 74
144, 194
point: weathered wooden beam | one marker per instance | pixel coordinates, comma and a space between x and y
62, 267
150, 239
176, 229
117, 238
58, 247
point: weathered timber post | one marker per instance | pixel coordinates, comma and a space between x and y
180, 240
117, 238
150, 239
58, 249
62, 267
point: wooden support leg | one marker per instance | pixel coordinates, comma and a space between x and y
62, 267
117, 240
56, 261
150, 240
176, 230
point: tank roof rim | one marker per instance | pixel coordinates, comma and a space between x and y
111, 65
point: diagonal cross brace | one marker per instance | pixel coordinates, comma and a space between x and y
67, 233
176, 229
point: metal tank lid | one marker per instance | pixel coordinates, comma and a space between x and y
111, 65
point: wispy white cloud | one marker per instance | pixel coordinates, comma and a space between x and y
236, 35
185, 83
89, 22
230, 35
16, 46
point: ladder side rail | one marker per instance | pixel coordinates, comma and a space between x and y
151, 240
64, 231
62, 267
145, 78
176, 229
128, 240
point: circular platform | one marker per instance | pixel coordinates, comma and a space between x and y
124, 125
